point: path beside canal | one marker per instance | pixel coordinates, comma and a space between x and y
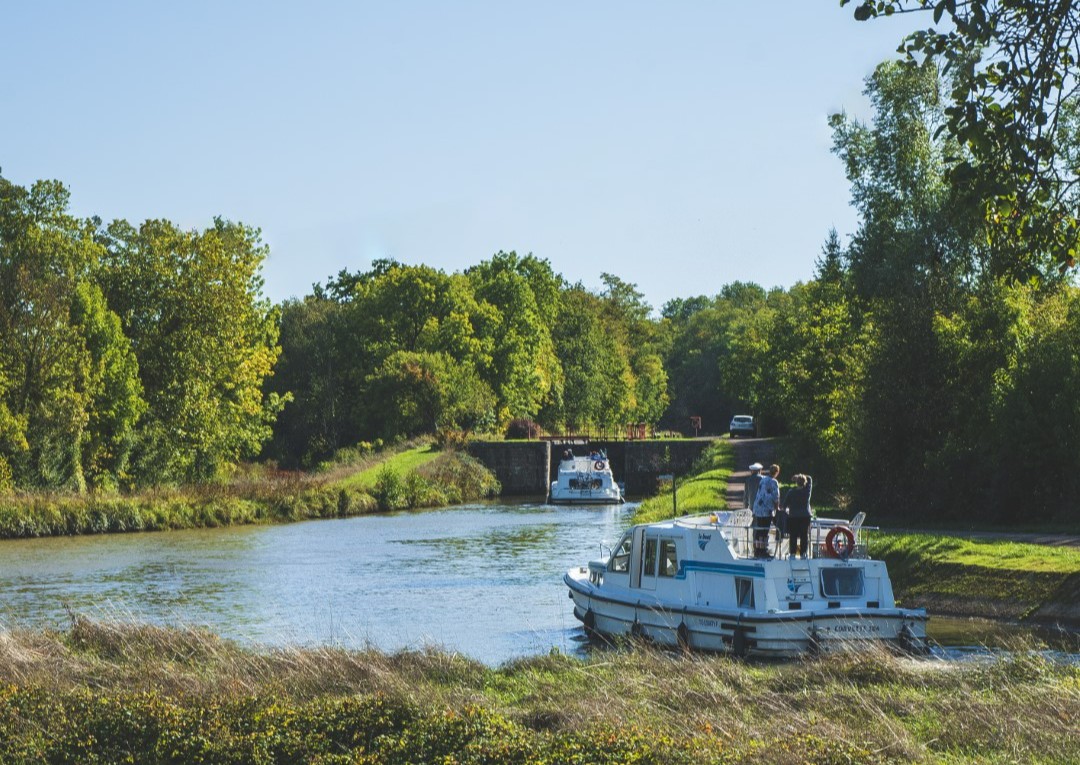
747, 452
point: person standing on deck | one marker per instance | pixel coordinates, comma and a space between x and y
751, 487
797, 504
753, 481
766, 503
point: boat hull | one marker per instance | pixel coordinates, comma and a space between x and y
746, 633
586, 500
560, 495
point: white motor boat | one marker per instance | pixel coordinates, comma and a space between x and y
695, 582
585, 481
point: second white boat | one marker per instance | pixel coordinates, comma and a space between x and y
585, 481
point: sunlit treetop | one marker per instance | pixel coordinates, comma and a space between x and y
1013, 65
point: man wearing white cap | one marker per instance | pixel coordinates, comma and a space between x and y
752, 483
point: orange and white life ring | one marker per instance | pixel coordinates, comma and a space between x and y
834, 547
599, 465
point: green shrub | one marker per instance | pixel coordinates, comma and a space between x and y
7, 483
447, 438
389, 490
421, 493
461, 477
523, 427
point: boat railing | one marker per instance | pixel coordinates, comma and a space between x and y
819, 535
583, 467
737, 527
737, 532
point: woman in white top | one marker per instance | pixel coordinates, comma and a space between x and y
766, 503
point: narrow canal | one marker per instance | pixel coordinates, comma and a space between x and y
484, 580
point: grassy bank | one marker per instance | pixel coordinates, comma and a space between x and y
976, 577
411, 477
402, 463
701, 491
109, 694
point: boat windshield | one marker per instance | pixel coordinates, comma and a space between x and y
841, 582
620, 559
669, 561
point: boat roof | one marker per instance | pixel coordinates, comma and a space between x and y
576, 460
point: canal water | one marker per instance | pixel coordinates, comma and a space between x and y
484, 580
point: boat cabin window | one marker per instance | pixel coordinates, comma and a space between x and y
579, 485
841, 582
669, 561
620, 560
648, 562
744, 592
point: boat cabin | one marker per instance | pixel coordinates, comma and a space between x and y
695, 582
709, 561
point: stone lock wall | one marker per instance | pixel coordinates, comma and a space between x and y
527, 468
646, 461
522, 467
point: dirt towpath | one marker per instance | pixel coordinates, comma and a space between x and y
747, 452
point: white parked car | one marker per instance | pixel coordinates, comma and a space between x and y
741, 425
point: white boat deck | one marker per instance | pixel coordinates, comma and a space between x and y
737, 529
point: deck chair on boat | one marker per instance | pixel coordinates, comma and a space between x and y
856, 526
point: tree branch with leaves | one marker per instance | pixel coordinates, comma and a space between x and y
1013, 64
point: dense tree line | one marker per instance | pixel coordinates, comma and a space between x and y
128, 356
401, 350
926, 370
147, 355
929, 369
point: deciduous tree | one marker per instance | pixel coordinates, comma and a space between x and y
1013, 66
205, 339
67, 374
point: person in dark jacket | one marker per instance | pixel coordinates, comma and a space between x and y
750, 489
797, 505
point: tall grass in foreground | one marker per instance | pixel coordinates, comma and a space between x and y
110, 693
703, 490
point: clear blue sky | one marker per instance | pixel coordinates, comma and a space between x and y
678, 145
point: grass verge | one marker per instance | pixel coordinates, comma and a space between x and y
415, 477
702, 491
982, 577
113, 693
402, 463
